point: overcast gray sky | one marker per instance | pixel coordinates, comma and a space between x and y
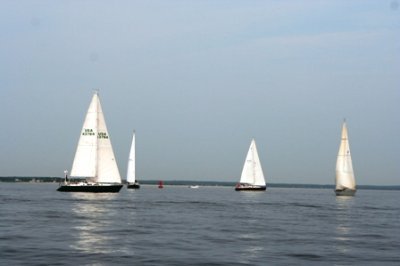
198, 80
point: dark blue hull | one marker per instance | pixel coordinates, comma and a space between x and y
241, 187
133, 186
90, 188
345, 192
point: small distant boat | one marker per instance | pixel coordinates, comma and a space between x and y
194, 186
252, 178
131, 171
160, 184
94, 158
345, 181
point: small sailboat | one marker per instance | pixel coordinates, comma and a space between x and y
94, 158
160, 184
345, 181
131, 171
252, 178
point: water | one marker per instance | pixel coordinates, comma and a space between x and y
205, 226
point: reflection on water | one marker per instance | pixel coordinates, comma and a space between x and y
252, 226
254, 248
94, 217
344, 224
209, 226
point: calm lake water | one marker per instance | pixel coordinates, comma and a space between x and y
206, 226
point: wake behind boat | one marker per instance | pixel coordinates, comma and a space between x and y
345, 181
252, 178
94, 158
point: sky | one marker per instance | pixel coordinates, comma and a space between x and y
197, 80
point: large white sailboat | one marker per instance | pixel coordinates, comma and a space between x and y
345, 181
131, 171
252, 178
94, 158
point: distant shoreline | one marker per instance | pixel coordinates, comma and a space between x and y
16, 179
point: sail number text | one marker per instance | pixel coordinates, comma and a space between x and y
102, 135
90, 132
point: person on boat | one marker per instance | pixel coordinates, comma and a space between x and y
66, 176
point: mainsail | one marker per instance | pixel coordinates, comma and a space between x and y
94, 157
252, 172
131, 173
344, 166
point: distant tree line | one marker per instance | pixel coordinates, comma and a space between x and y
191, 182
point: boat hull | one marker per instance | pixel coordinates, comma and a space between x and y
345, 192
91, 188
245, 187
133, 185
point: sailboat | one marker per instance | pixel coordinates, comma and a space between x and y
252, 177
131, 171
94, 158
345, 181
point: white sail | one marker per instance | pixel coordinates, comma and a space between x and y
131, 171
252, 172
94, 157
344, 166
